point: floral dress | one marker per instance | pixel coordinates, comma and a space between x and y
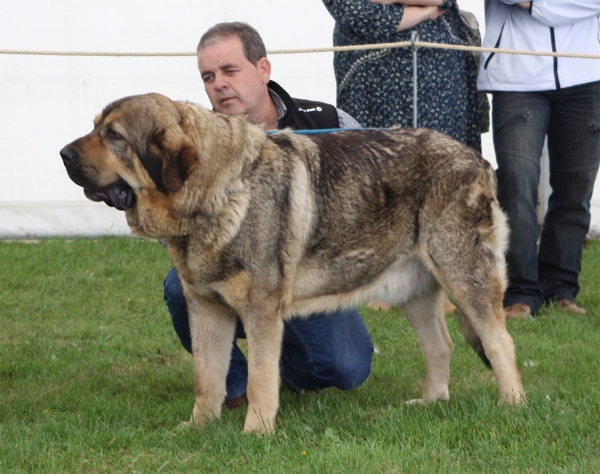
375, 86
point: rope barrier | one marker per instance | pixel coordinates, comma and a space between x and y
401, 44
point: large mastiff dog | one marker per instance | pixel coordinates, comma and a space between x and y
269, 226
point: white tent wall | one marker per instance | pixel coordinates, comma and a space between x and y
47, 101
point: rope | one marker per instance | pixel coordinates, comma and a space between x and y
401, 44
422, 44
89, 53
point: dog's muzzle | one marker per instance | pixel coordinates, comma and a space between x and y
118, 195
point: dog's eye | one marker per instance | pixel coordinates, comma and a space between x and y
114, 135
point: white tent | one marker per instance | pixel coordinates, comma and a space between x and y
47, 101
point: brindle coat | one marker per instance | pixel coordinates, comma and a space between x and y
266, 227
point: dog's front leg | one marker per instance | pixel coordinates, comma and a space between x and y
212, 327
264, 332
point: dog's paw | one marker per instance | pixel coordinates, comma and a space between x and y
197, 420
415, 401
445, 397
259, 425
513, 398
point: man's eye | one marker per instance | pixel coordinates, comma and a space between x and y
207, 78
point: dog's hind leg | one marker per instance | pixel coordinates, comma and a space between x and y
465, 239
477, 291
212, 327
498, 347
426, 317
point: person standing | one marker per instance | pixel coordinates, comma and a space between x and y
376, 86
535, 97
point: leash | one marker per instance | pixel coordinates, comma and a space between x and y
323, 130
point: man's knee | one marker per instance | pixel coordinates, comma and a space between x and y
351, 373
352, 351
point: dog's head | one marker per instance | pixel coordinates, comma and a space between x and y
138, 142
143, 150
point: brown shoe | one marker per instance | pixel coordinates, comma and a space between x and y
379, 305
448, 307
517, 311
236, 402
569, 306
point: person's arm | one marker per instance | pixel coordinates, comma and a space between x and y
414, 3
415, 15
346, 120
416, 11
369, 22
558, 12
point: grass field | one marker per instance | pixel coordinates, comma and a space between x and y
93, 379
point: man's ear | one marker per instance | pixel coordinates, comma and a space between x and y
178, 160
264, 68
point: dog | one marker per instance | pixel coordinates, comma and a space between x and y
266, 226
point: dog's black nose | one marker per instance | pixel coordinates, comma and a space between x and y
68, 155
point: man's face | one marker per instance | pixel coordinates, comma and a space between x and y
234, 85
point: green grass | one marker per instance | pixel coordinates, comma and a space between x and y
93, 379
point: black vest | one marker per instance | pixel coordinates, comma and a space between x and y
305, 114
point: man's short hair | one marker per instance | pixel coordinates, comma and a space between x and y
254, 48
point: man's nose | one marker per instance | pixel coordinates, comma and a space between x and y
220, 82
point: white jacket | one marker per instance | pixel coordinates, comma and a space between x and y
564, 26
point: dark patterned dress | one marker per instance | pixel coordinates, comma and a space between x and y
375, 86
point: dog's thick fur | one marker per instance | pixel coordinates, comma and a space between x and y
266, 227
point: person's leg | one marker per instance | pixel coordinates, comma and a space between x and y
237, 377
574, 151
173, 294
326, 350
519, 122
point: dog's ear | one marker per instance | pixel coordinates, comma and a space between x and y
178, 160
177, 168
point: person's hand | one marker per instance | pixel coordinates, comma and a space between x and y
525, 5
434, 12
414, 3
418, 13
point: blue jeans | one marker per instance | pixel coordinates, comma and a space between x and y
521, 120
323, 350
